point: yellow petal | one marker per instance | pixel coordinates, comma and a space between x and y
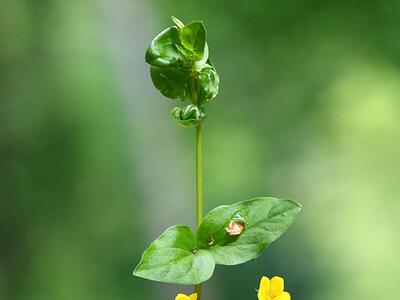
263, 291
276, 286
182, 297
284, 296
193, 296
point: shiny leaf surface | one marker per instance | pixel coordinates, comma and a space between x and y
207, 82
173, 258
162, 51
265, 219
173, 83
180, 66
193, 38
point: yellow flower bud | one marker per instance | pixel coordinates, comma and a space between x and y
184, 297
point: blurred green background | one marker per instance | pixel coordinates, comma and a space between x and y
92, 167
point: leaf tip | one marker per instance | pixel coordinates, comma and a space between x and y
295, 203
136, 271
177, 22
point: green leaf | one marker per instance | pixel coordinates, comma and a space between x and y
172, 82
173, 258
180, 66
177, 22
266, 219
162, 51
193, 38
175, 82
207, 83
188, 116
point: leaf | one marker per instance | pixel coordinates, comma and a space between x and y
265, 219
162, 51
205, 58
177, 22
173, 258
172, 82
175, 82
193, 38
180, 66
207, 83
188, 116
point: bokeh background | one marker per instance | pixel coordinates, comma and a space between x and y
92, 167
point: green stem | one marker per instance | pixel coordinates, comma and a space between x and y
199, 171
199, 176
199, 190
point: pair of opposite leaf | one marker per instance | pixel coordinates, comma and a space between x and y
181, 69
178, 256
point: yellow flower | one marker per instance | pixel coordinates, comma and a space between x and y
184, 297
272, 289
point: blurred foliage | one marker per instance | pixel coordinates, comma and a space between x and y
91, 164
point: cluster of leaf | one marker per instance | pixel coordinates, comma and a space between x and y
181, 69
177, 256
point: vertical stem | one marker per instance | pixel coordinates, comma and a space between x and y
199, 171
199, 190
199, 176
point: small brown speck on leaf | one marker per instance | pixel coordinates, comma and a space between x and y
235, 228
